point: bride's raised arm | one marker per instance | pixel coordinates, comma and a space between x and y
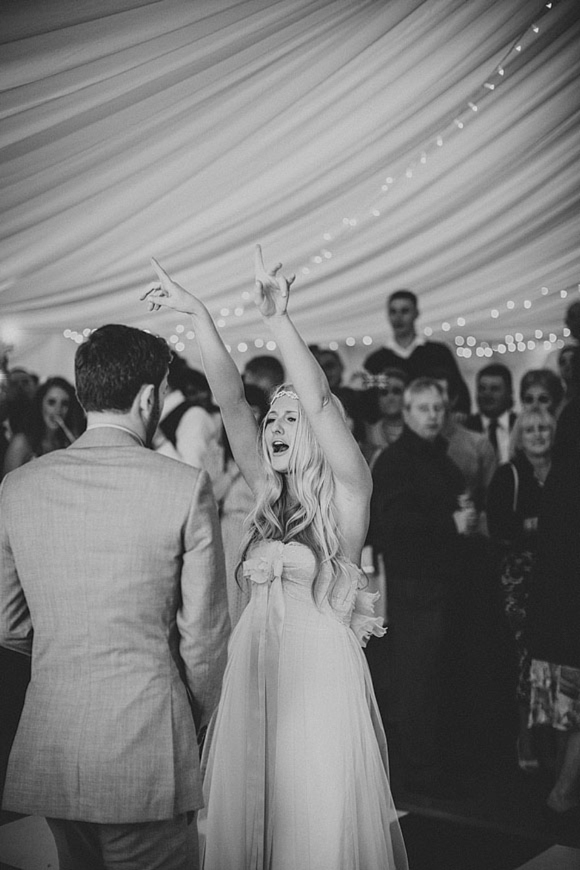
350, 470
221, 372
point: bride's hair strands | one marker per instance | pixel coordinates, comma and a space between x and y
297, 506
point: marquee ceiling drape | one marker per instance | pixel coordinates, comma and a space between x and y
431, 144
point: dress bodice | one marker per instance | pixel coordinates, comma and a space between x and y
292, 568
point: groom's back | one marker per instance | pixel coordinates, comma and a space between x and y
98, 534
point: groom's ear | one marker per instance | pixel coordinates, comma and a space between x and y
145, 398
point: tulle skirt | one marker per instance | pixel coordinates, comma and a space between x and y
296, 772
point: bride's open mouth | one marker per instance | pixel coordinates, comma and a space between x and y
279, 447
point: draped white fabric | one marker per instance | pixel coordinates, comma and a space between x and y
191, 130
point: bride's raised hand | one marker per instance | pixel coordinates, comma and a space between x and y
272, 289
169, 294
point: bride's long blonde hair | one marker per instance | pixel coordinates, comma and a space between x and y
299, 504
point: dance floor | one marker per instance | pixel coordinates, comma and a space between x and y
499, 825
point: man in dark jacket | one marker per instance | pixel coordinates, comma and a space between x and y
419, 510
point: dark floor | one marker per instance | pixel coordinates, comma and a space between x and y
499, 824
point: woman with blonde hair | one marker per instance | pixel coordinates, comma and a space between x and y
513, 504
295, 758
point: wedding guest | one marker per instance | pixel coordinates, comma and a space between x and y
111, 578
553, 635
542, 388
331, 364
494, 402
572, 323
410, 352
296, 765
23, 382
470, 451
5, 395
567, 444
476, 643
266, 372
513, 506
56, 420
190, 428
419, 513
384, 411
565, 369
353, 401
14, 666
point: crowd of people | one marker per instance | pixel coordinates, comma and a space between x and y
474, 535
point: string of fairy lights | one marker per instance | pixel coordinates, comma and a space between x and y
466, 345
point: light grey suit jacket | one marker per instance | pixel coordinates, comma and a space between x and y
112, 574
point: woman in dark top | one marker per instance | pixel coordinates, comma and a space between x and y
513, 506
554, 610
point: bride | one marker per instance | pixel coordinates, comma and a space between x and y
296, 771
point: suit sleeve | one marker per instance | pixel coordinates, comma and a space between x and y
15, 622
203, 620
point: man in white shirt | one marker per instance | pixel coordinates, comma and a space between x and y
411, 352
494, 401
190, 429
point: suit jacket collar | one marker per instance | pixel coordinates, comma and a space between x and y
105, 436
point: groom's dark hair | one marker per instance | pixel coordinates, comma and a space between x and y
114, 362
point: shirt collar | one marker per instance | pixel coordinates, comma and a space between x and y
405, 352
503, 421
126, 429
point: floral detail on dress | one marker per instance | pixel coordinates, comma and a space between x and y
363, 622
267, 567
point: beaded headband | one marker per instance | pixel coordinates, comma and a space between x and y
381, 382
278, 395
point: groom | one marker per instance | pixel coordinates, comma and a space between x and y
112, 578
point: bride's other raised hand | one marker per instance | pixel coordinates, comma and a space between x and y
169, 294
272, 289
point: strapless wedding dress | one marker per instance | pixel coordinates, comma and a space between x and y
296, 772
